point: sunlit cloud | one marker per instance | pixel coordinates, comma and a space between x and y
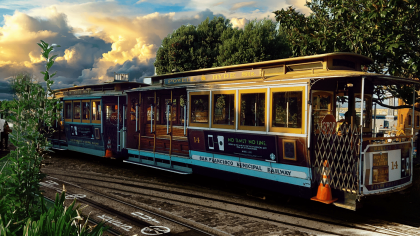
239, 22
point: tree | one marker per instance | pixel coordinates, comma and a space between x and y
388, 31
190, 47
259, 41
216, 43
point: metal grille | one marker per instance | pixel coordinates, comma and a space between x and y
340, 149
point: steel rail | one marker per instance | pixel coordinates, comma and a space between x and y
136, 207
370, 228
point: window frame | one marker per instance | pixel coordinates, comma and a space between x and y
223, 126
82, 111
100, 118
285, 129
247, 127
192, 124
71, 111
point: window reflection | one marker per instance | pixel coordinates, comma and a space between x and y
76, 110
199, 108
253, 109
224, 109
86, 110
96, 110
287, 109
67, 110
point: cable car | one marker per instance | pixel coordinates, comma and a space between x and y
272, 124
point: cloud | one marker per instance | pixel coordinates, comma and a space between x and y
238, 5
102, 37
239, 22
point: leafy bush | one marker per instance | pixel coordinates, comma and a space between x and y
22, 207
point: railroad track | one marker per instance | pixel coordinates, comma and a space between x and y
272, 216
128, 219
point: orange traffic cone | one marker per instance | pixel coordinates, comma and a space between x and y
324, 191
108, 152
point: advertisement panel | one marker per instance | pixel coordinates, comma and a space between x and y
82, 131
261, 147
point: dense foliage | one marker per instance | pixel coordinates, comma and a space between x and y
388, 31
216, 43
22, 207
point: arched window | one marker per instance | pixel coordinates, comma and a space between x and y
409, 120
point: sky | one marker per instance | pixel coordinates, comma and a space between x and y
100, 37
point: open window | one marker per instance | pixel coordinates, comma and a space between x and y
224, 109
252, 109
199, 109
287, 110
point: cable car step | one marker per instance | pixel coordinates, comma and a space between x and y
159, 168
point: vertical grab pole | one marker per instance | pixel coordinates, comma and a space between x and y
170, 117
412, 117
154, 134
140, 123
118, 125
412, 131
167, 118
185, 120
137, 117
123, 128
374, 123
361, 133
151, 119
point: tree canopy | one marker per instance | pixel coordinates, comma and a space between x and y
216, 43
388, 31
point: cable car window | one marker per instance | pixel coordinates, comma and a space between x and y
287, 109
167, 101
76, 109
224, 109
111, 111
183, 108
86, 110
67, 111
96, 111
150, 101
253, 109
200, 108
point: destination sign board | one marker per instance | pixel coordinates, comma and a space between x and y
77, 92
244, 74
